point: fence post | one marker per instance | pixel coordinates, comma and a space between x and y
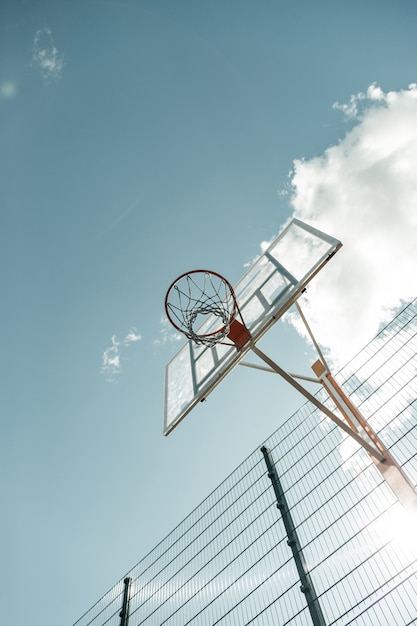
307, 586
124, 613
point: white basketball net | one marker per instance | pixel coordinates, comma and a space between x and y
201, 299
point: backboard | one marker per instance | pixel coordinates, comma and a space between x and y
267, 290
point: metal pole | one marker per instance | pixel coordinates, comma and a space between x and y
124, 613
392, 472
356, 436
307, 586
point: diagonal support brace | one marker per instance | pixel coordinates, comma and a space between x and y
391, 471
369, 447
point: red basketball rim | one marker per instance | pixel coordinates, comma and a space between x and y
211, 273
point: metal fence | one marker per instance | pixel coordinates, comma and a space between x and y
229, 562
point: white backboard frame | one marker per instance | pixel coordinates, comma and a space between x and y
267, 290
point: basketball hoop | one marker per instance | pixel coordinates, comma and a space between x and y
202, 305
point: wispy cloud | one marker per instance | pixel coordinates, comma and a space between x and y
46, 58
364, 192
111, 360
166, 333
110, 365
132, 337
264, 245
352, 108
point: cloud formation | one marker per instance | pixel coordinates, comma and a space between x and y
111, 358
363, 191
167, 333
131, 337
45, 56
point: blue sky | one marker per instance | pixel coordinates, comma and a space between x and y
140, 140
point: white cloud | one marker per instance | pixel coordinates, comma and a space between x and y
111, 359
110, 365
167, 333
351, 109
264, 245
363, 191
45, 56
131, 337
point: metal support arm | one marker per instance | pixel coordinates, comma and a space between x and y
369, 447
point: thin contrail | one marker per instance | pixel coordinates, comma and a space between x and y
119, 219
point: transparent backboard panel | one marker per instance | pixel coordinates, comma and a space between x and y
264, 294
